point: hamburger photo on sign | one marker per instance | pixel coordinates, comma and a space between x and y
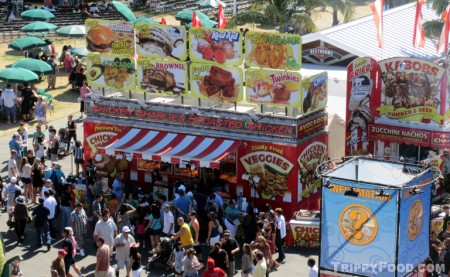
110, 37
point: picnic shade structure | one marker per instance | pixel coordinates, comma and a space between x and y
18, 75
206, 23
37, 66
75, 31
210, 3
124, 11
145, 20
186, 15
39, 27
37, 15
26, 43
80, 51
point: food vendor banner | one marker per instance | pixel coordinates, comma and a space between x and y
305, 233
164, 77
275, 51
111, 71
410, 91
96, 134
110, 37
358, 230
215, 46
314, 92
161, 41
271, 167
362, 86
414, 235
273, 87
216, 82
440, 140
311, 154
388, 133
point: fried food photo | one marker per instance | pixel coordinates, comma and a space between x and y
219, 84
100, 39
270, 55
116, 77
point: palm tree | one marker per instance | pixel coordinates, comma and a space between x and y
277, 12
344, 7
433, 28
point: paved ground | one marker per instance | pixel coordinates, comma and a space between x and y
37, 261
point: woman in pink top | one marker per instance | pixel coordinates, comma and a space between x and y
68, 65
84, 90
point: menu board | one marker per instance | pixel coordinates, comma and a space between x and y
166, 77
276, 51
220, 46
110, 37
216, 82
273, 87
111, 71
315, 92
161, 41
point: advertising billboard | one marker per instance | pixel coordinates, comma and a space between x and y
216, 82
358, 230
161, 41
165, 77
220, 46
110, 37
273, 87
314, 92
111, 71
275, 51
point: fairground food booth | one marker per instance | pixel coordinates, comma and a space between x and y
268, 157
375, 218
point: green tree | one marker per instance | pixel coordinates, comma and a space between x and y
344, 7
433, 28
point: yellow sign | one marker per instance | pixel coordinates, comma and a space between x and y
111, 71
358, 224
110, 37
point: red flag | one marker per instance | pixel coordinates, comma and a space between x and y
195, 21
419, 32
377, 9
222, 19
443, 40
163, 20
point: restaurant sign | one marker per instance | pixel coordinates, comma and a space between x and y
322, 52
398, 134
194, 120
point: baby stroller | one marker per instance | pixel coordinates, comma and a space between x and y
162, 254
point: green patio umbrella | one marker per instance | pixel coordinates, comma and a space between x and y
72, 31
39, 27
26, 43
210, 3
206, 23
37, 15
80, 51
186, 15
124, 11
145, 20
18, 75
37, 66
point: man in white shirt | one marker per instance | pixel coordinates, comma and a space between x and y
122, 243
168, 228
50, 203
9, 101
106, 229
280, 234
313, 271
9, 194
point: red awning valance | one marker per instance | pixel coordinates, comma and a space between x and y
170, 147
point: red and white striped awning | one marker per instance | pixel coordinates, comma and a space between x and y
170, 147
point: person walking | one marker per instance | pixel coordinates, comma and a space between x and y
247, 259
213, 230
37, 177
313, 270
191, 264
70, 248
135, 260
72, 131
50, 203
40, 214
9, 98
78, 221
84, 91
20, 218
25, 107
261, 265
280, 234
232, 215
261, 244
231, 246
194, 227
25, 169
168, 226
213, 271
154, 225
123, 216
219, 256
12, 165
78, 154
177, 259
51, 78
106, 229
122, 243
184, 234
40, 112
54, 143
58, 269
103, 258
10, 193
